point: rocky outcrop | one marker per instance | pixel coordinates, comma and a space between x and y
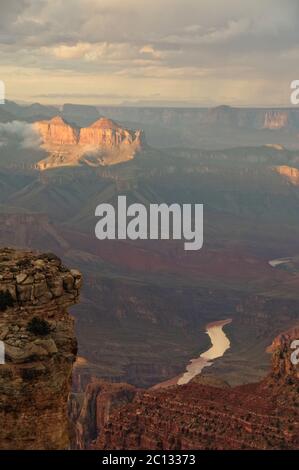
40, 348
106, 133
291, 174
276, 119
102, 143
283, 368
57, 131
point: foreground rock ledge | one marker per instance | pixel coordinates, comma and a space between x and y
40, 348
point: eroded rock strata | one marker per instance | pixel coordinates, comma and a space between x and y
92, 410
40, 348
102, 143
263, 415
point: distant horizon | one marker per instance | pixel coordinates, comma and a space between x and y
182, 105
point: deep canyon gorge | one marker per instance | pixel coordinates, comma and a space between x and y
145, 305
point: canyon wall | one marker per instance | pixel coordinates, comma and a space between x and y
282, 367
106, 133
250, 118
197, 415
57, 131
91, 411
40, 348
103, 143
276, 119
291, 174
103, 132
171, 117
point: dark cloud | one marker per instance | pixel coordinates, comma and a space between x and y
11, 10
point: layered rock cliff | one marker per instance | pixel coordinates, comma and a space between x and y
282, 348
57, 131
291, 174
197, 415
276, 119
40, 347
106, 133
103, 143
91, 411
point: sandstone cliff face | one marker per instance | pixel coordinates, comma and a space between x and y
57, 131
290, 173
276, 119
40, 348
102, 143
106, 133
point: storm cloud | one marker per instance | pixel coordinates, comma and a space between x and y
206, 51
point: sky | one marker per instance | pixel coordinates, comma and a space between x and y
157, 52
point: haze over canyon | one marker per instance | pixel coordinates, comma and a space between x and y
146, 304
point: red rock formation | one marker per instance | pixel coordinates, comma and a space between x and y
40, 348
198, 416
104, 142
290, 173
276, 119
57, 131
100, 400
282, 367
106, 133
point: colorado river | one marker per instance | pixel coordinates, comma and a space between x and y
278, 261
220, 344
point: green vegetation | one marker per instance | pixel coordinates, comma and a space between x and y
6, 300
38, 327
